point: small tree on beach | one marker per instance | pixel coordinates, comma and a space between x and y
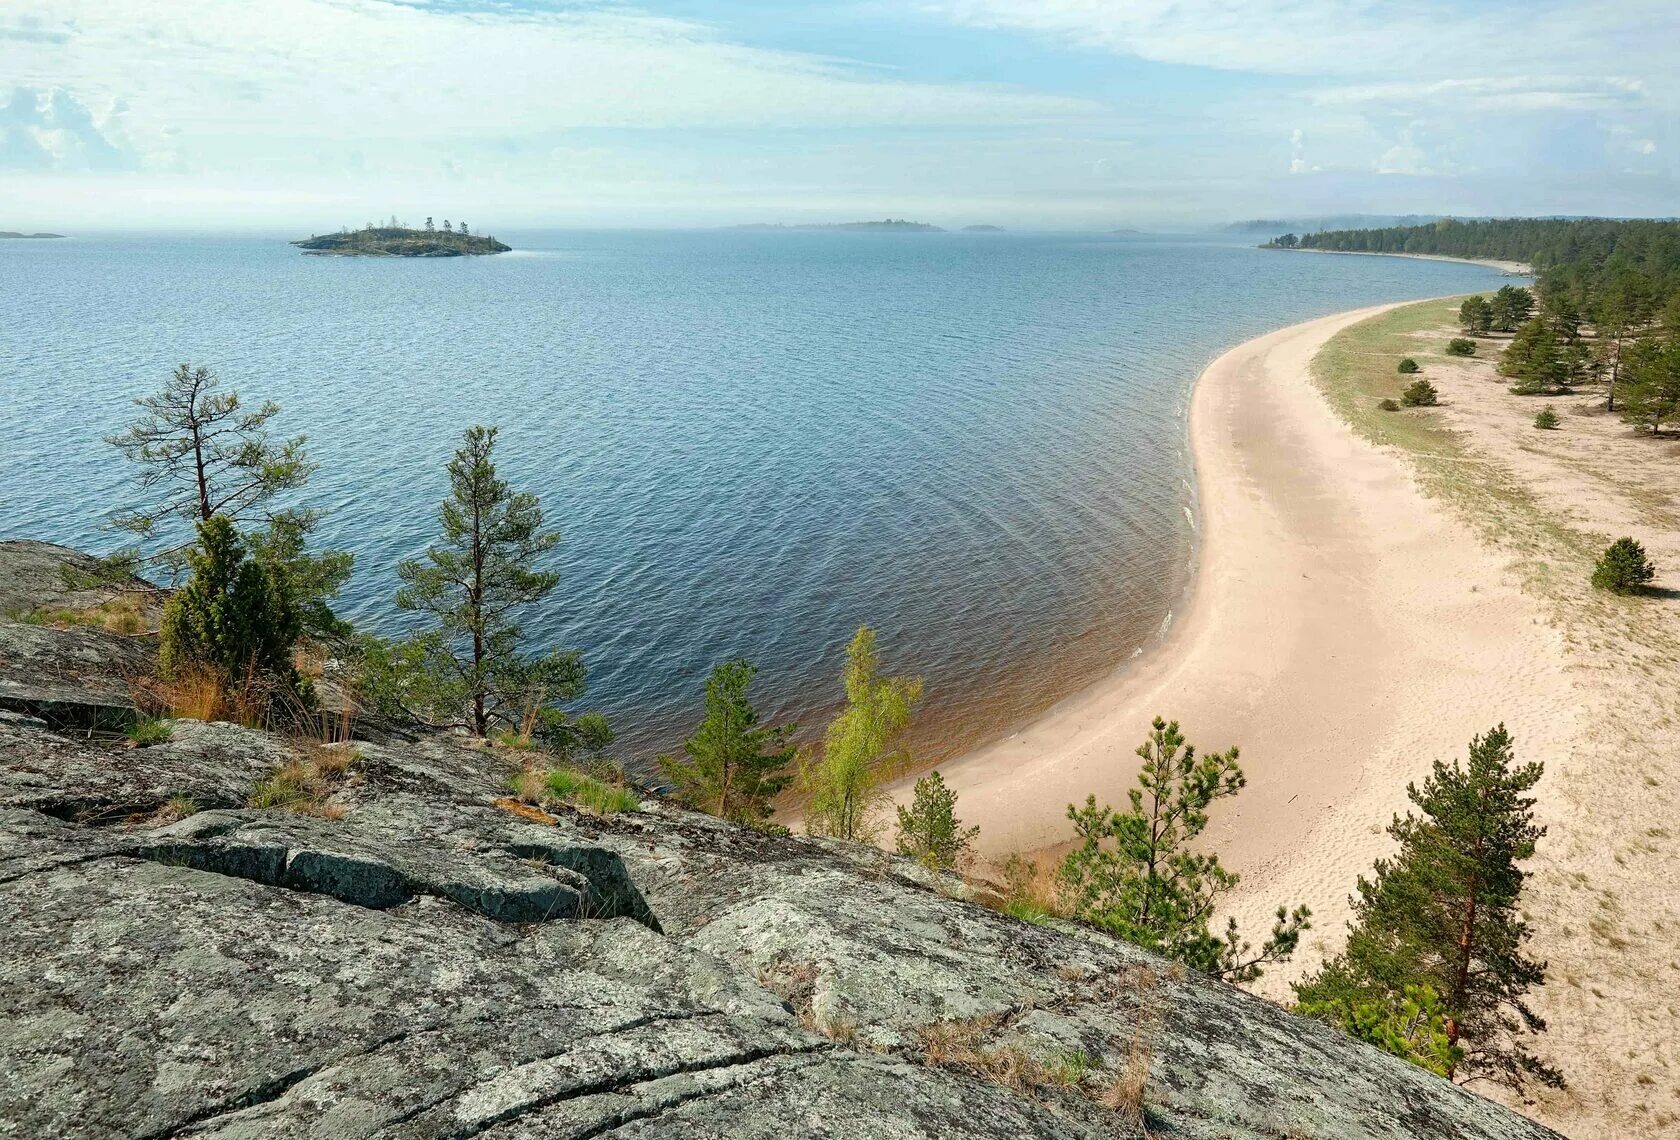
1623, 568
1407, 366
1442, 921
1510, 307
1134, 875
1535, 361
1651, 384
1475, 315
929, 830
732, 766
1459, 346
1420, 394
844, 782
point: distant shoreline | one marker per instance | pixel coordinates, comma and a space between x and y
1509, 268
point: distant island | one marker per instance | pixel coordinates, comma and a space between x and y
26, 237
1124, 233
885, 225
983, 229
396, 240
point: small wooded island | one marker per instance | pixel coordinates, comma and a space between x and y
4, 234
396, 240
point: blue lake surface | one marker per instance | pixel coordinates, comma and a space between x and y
751, 442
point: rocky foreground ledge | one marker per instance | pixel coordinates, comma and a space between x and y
439, 961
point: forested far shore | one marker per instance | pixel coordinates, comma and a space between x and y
1579, 255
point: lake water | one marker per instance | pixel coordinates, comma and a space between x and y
752, 442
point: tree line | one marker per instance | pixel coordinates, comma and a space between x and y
1605, 310
1434, 969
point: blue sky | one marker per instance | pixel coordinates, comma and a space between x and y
1030, 113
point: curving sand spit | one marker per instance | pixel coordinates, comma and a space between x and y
1343, 629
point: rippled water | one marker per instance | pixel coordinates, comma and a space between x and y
751, 442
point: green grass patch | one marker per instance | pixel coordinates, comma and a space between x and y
150, 731
585, 791
547, 787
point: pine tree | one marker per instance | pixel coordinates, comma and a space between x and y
929, 830
1623, 568
466, 669
229, 618
732, 767
203, 453
1651, 382
844, 783
1510, 307
1535, 360
1443, 913
1133, 875
1475, 315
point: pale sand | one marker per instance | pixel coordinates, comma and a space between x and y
1509, 268
1346, 629
1342, 630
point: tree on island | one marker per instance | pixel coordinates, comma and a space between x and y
732, 767
465, 669
204, 454
1437, 938
1134, 875
844, 782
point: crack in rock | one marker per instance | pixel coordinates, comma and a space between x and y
368, 881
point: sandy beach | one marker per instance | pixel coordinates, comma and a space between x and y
1363, 608
1343, 630
1509, 268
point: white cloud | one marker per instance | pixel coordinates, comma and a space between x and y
1516, 94
1337, 38
239, 85
50, 129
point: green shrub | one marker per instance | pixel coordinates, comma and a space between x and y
1623, 568
229, 617
1419, 394
1388, 405
150, 731
1460, 346
1408, 366
1546, 420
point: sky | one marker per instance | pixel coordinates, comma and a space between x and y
1025, 113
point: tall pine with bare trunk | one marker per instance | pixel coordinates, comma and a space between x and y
465, 669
